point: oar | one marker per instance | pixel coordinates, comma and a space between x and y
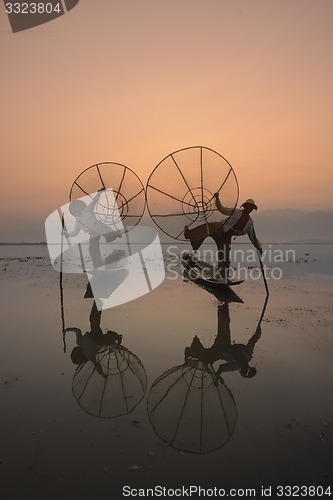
263, 312
263, 273
261, 265
60, 284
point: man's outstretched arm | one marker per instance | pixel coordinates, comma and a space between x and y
220, 207
254, 240
93, 203
75, 232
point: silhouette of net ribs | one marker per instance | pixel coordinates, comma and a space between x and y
180, 190
191, 410
127, 202
112, 384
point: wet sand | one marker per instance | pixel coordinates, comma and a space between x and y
282, 432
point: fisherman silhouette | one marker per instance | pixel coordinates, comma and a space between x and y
109, 380
88, 344
189, 406
87, 221
238, 223
236, 356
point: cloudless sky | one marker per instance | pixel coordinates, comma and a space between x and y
131, 81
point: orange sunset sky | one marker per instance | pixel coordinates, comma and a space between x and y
130, 81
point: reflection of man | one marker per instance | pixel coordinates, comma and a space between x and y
237, 356
86, 221
88, 344
238, 223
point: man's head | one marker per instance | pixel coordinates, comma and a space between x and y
77, 356
76, 207
249, 205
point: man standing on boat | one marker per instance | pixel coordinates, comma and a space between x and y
87, 221
238, 223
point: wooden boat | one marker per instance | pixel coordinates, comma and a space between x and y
204, 273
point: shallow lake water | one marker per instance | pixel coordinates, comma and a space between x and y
138, 413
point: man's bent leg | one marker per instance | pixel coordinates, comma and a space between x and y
223, 242
95, 252
198, 234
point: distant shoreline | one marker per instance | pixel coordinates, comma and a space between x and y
300, 242
22, 243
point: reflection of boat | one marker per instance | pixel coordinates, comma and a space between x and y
191, 409
204, 273
111, 384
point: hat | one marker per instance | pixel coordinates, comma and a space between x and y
250, 202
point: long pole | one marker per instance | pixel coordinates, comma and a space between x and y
61, 286
262, 267
263, 273
263, 311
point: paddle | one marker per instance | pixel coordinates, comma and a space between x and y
263, 273
61, 285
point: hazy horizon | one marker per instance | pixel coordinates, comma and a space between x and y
271, 226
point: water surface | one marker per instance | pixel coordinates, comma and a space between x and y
277, 424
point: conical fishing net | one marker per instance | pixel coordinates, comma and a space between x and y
112, 384
180, 190
126, 194
192, 410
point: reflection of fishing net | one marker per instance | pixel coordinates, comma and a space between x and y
111, 386
180, 190
189, 412
126, 194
